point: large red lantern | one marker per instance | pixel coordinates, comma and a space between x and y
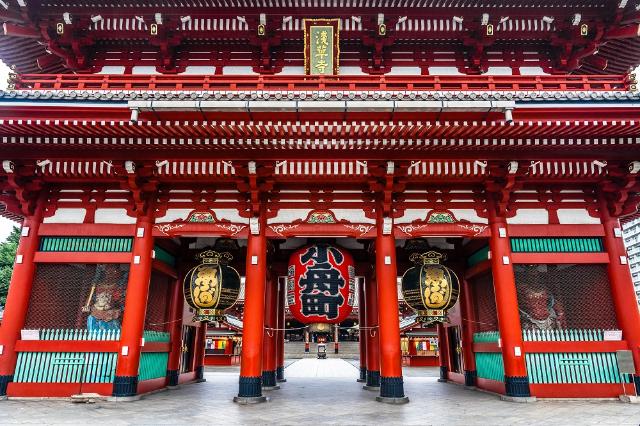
320, 284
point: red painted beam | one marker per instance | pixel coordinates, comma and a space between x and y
486, 347
580, 390
151, 385
81, 257
156, 347
557, 258
68, 346
57, 390
556, 230
90, 230
490, 385
564, 347
13, 30
629, 31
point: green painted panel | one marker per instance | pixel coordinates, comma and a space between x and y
573, 367
164, 256
563, 335
479, 256
486, 337
155, 336
65, 367
490, 365
86, 244
556, 245
153, 365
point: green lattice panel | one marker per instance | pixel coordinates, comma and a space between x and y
164, 256
490, 365
479, 256
86, 244
65, 367
557, 245
573, 367
153, 365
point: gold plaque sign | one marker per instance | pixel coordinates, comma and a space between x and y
321, 46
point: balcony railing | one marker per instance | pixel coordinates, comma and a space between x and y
326, 83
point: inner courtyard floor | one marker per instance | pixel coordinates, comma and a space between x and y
320, 391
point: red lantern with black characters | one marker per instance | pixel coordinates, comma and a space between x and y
320, 284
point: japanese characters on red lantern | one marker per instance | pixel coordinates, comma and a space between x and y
320, 284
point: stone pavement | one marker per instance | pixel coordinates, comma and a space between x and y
336, 400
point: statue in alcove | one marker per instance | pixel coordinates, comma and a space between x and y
105, 302
539, 307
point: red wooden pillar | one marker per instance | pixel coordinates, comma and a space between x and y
622, 289
282, 299
391, 383
362, 336
250, 384
515, 371
15, 313
373, 334
175, 333
198, 352
306, 340
336, 338
443, 352
126, 380
269, 357
468, 321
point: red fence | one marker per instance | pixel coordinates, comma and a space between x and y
330, 83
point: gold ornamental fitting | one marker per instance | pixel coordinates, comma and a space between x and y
428, 258
211, 257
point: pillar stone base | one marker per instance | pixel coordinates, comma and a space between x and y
373, 378
470, 377
280, 374
392, 387
517, 386
250, 387
246, 400
4, 382
173, 378
363, 375
443, 374
396, 401
200, 374
125, 386
269, 381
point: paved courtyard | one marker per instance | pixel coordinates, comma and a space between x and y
325, 392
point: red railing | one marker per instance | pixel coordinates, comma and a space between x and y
331, 83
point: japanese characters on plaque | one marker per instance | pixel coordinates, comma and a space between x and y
321, 284
321, 46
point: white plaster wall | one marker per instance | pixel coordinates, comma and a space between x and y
174, 214
237, 70
144, 69
499, 71
531, 71
351, 71
576, 217
63, 215
352, 215
292, 70
468, 214
405, 71
412, 214
529, 217
117, 216
289, 215
199, 70
444, 71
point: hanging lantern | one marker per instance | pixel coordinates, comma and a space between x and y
212, 286
320, 284
429, 288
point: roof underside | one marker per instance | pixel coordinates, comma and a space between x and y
421, 34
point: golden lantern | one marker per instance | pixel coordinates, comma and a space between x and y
211, 287
429, 288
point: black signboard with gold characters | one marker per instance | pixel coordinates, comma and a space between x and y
429, 288
211, 287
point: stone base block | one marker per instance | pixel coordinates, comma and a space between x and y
389, 400
246, 400
519, 399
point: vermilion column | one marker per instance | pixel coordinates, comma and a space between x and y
336, 338
306, 340
135, 308
250, 386
198, 352
269, 357
282, 294
362, 337
373, 334
391, 383
622, 289
468, 321
443, 352
15, 312
515, 371
175, 333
